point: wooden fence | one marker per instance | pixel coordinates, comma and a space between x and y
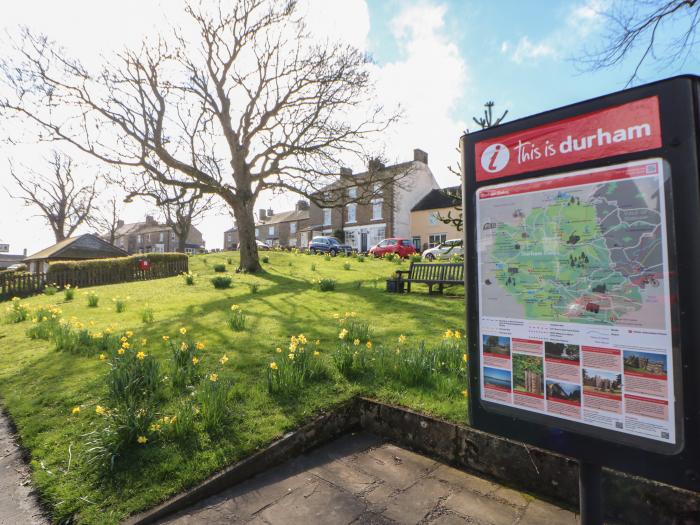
26, 284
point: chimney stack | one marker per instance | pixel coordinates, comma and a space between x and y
270, 213
420, 156
150, 220
375, 165
262, 215
120, 223
346, 172
25, 252
302, 205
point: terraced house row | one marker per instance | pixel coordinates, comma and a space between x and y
401, 200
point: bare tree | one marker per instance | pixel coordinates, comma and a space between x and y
181, 208
487, 121
62, 201
253, 104
635, 28
105, 218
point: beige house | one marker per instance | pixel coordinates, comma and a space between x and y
281, 229
427, 230
151, 236
392, 190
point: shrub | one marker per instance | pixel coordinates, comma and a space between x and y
50, 289
358, 285
346, 266
219, 268
326, 284
133, 377
45, 320
415, 366
214, 396
120, 304
361, 258
265, 259
326, 257
17, 312
68, 293
189, 278
229, 261
352, 328
236, 318
290, 371
313, 267
254, 287
92, 299
115, 265
415, 257
147, 315
221, 282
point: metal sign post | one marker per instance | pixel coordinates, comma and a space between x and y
582, 299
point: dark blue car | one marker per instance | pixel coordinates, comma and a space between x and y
329, 245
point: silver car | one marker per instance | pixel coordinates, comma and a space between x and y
445, 250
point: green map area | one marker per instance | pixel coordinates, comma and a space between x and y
582, 255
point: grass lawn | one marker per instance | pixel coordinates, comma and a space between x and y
40, 387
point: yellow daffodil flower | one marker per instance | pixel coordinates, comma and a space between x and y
140, 356
76, 410
214, 378
102, 357
183, 330
356, 342
402, 339
100, 410
195, 360
369, 345
121, 351
142, 440
224, 359
199, 346
166, 338
273, 365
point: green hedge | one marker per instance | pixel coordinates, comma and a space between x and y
116, 263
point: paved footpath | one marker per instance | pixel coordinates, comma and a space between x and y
360, 479
18, 506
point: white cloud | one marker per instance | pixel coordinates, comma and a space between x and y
582, 20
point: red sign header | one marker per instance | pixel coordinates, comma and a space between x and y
627, 128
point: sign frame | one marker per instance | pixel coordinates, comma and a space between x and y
678, 147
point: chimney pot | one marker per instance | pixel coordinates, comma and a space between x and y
302, 205
25, 252
346, 171
270, 213
375, 165
262, 214
420, 156
120, 223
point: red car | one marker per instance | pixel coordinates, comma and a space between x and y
401, 247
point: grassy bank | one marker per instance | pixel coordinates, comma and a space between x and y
42, 387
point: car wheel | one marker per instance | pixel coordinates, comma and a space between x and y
333, 252
430, 257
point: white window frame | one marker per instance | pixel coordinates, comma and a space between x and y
439, 237
139, 238
271, 230
327, 216
161, 237
292, 227
352, 192
377, 205
257, 232
352, 213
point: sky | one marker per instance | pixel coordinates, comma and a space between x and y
440, 60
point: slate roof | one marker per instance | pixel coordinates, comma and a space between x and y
440, 198
80, 241
278, 218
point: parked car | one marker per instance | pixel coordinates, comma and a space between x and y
262, 246
329, 245
398, 246
445, 250
19, 267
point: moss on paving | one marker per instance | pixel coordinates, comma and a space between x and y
39, 386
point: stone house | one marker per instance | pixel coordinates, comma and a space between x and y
151, 236
275, 229
373, 205
80, 247
427, 230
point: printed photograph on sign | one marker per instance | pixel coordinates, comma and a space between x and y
573, 277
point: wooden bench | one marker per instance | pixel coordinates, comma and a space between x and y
432, 274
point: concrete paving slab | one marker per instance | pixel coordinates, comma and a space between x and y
360, 480
18, 503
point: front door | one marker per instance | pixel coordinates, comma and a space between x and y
363, 242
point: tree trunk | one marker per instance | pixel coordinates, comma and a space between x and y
247, 247
181, 241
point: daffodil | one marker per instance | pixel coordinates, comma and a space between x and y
343, 333
318, 342
317, 353
458, 334
356, 342
291, 357
465, 393
142, 440
199, 346
166, 338
448, 334
130, 333
402, 339
214, 378
235, 307
464, 357
369, 345
273, 365
278, 350
125, 345
121, 351
76, 410
184, 346
100, 410
195, 360
140, 356
224, 359
155, 427
183, 330
144, 341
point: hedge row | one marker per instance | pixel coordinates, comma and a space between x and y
116, 263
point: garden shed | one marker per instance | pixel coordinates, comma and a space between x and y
81, 247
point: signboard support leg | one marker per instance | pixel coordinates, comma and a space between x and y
589, 490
